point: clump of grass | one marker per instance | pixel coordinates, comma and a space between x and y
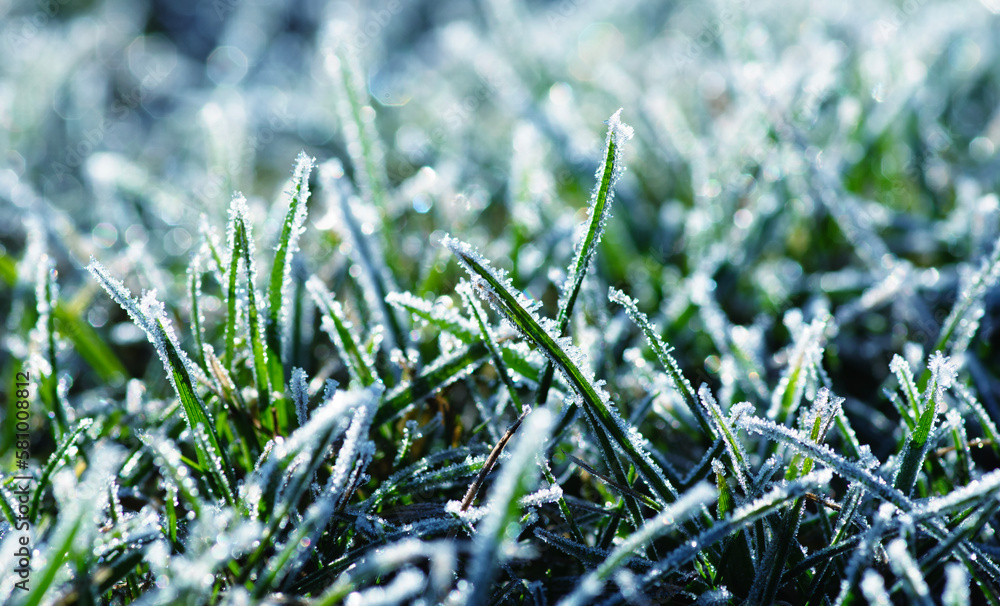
333, 415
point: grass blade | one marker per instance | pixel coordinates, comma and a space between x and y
518, 477
594, 400
662, 352
281, 270
599, 211
669, 519
149, 315
241, 244
335, 323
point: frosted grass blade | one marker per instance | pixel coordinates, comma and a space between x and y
918, 443
963, 320
518, 477
594, 400
353, 457
363, 142
670, 518
906, 569
335, 323
806, 355
662, 352
443, 318
241, 240
57, 459
598, 213
47, 298
150, 316
194, 274
279, 288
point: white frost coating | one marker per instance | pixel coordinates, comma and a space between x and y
969, 307
516, 475
824, 454
804, 356
903, 564
149, 315
618, 134
873, 588
943, 370
406, 585
469, 515
298, 194
734, 447
956, 585
961, 497
299, 389
442, 316
671, 516
550, 494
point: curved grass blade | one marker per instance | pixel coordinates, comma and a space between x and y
360, 366
241, 239
607, 425
518, 477
54, 462
47, 297
279, 287
149, 315
442, 318
599, 211
689, 503
662, 351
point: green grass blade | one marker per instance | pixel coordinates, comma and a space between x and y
662, 352
149, 315
57, 459
518, 476
599, 211
241, 238
917, 445
281, 270
594, 400
437, 375
47, 297
335, 323
669, 519
442, 318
